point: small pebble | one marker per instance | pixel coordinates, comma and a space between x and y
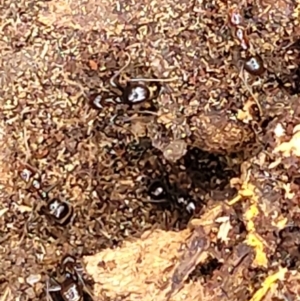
32, 279
30, 293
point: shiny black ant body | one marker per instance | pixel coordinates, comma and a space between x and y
57, 211
68, 285
135, 91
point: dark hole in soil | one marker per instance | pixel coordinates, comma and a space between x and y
256, 276
119, 209
290, 83
287, 252
266, 122
210, 173
205, 270
296, 181
208, 268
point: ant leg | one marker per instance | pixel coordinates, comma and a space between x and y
44, 193
242, 77
54, 286
48, 297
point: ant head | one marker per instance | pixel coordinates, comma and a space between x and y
158, 191
136, 93
59, 211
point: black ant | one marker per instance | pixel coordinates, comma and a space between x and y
68, 285
135, 91
60, 212
161, 191
158, 192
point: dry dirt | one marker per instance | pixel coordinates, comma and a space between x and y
224, 143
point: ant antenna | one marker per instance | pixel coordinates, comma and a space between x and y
78, 272
153, 79
47, 291
44, 193
112, 79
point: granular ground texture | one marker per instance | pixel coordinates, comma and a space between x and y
170, 132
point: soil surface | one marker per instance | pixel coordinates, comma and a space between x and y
209, 160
